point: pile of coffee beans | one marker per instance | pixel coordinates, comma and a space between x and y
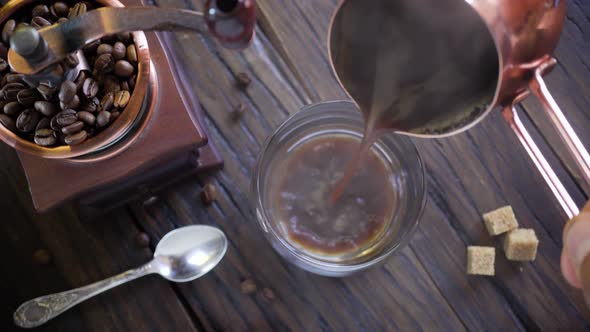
69, 113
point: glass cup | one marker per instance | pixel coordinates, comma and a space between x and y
405, 173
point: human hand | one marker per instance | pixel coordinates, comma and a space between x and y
575, 257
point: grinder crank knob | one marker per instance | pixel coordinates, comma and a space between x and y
232, 22
27, 42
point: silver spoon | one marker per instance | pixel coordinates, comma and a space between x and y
182, 255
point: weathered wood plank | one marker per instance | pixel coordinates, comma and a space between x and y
82, 253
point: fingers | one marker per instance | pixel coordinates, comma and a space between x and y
576, 239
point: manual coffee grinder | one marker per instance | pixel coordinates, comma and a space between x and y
152, 144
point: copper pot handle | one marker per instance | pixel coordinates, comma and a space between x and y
563, 197
566, 132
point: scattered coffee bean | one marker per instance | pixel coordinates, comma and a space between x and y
27, 97
125, 37
73, 128
209, 194
103, 119
40, 10
238, 111
13, 108
115, 115
71, 61
87, 118
3, 65
79, 9
7, 31
132, 53
91, 48
67, 91
27, 121
243, 80
42, 257
142, 240
45, 137
43, 123
248, 287
7, 122
124, 69
46, 108
104, 63
76, 138
73, 104
90, 88
107, 101
268, 294
122, 99
104, 49
119, 51
39, 22
66, 118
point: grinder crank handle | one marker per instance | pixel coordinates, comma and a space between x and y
230, 21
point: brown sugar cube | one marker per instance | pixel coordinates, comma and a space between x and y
500, 221
480, 260
521, 245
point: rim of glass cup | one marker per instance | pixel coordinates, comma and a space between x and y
264, 221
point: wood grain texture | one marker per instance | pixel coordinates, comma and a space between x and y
423, 288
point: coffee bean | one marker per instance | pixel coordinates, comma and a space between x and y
122, 99
46, 108
124, 69
209, 194
87, 118
42, 257
28, 97
10, 91
91, 48
45, 137
73, 104
238, 111
46, 90
90, 106
39, 22
73, 128
111, 84
125, 85
71, 61
119, 51
43, 123
40, 10
142, 240
7, 122
16, 78
104, 49
79, 9
66, 118
90, 88
67, 91
82, 76
76, 138
268, 294
13, 108
54, 125
248, 287
125, 37
115, 115
131, 82
243, 80
27, 120
103, 119
104, 63
3, 65
132, 53
107, 101
7, 31
62, 20
59, 9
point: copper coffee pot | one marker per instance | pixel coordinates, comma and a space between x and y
443, 65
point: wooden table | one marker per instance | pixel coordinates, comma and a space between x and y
423, 287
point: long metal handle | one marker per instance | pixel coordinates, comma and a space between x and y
563, 197
566, 132
38, 311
